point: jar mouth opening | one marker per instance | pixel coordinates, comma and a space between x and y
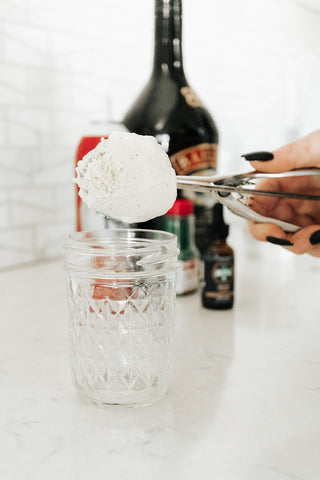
122, 240
121, 252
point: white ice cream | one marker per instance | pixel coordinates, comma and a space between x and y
128, 177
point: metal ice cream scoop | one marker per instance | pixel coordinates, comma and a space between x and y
232, 191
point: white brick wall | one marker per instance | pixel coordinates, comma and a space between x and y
255, 64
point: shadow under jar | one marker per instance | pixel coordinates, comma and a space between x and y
121, 298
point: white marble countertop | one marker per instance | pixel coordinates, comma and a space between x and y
244, 403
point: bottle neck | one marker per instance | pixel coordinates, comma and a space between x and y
219, 241
168, 37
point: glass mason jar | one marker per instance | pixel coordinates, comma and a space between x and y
121, 297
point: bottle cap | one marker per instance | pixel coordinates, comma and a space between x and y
165, 5
218, 227
182, 207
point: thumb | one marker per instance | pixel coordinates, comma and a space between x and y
302, 153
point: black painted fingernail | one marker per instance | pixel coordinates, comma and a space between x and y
279, 241
315, 238
261, 156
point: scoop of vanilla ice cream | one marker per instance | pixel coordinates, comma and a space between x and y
128, 177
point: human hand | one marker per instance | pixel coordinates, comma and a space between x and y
304, 153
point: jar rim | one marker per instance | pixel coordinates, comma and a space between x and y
150, 251
132, 239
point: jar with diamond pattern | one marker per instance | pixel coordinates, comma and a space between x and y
121, 303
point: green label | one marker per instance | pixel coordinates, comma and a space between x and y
223, 272
219, 274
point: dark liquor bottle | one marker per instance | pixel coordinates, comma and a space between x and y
168, 109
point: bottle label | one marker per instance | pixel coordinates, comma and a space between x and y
193, 159
187, 276
191, 97
218, 277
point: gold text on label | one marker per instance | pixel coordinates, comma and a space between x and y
196, 158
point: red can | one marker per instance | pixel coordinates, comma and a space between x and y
88, 218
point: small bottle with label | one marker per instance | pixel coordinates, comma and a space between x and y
180, 220
217, 265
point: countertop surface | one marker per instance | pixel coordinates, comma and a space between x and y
244, 403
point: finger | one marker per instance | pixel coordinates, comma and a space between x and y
307, 240
264, 204
303, 153
268, 232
